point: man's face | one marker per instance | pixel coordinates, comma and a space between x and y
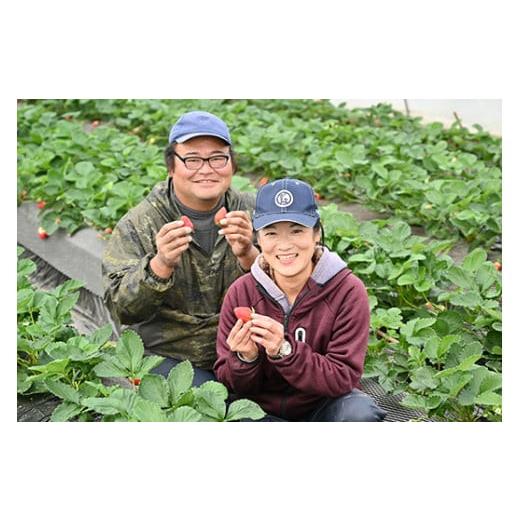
201, 189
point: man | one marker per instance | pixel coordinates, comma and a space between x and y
163, 278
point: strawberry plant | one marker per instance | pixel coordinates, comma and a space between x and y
435, 326
53, 358
173, 399
447, 180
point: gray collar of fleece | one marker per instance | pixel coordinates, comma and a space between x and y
328, 265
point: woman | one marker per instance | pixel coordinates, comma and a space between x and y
301, 355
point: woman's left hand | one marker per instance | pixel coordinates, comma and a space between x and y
267, 333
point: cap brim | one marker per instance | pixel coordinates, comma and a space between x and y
267, 220
187, 137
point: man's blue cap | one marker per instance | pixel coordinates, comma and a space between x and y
285, 200
197, 123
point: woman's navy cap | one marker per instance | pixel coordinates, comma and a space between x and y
197, 123
285, 200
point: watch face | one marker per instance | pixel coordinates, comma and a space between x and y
285, 349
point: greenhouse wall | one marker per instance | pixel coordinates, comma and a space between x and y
485, 112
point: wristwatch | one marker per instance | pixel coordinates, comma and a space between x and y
285, 350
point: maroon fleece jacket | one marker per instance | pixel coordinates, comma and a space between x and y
327, 326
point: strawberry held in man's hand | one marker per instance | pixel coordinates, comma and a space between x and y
243, 313
187, 222
219, 215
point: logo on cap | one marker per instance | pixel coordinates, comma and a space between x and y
283, 199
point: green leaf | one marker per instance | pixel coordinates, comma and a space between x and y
147, 411
109, 369
148, 363
155, 388
417, 402
180, 380
216, 388
84, 168
470, 299
408, 278
489, 398
454, 383
130, 350
119, 401
22, 383
185, 414
345, 158
422, 379
433, 401
66, 411
460, 277
57, 366
244, 409
101, 336
210, 400
62, 390
491, 381
77, 348
474, 260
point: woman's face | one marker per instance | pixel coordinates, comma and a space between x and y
288, 248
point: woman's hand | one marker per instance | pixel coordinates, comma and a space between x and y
268, 333
239, 340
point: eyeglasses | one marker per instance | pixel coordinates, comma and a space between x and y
195, 163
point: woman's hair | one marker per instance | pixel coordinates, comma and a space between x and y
319, 227
169, 158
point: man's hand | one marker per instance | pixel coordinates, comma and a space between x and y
171, 241
268, 333
237, 228
239, 340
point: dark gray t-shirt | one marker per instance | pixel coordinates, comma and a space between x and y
206, 230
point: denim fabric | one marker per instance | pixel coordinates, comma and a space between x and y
353, 407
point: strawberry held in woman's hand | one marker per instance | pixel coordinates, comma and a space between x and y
187, 222
219, 215
243, 313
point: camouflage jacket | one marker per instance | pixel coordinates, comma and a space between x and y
177, 317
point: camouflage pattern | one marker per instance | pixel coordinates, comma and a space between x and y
177, 317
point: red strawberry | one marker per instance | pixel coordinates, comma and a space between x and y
136, 381
498, 266
42, 233
221, 213
108, 230
41, 204
95, 123
262, 181
187, 221
243, 313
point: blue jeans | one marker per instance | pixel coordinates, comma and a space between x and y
355, 406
